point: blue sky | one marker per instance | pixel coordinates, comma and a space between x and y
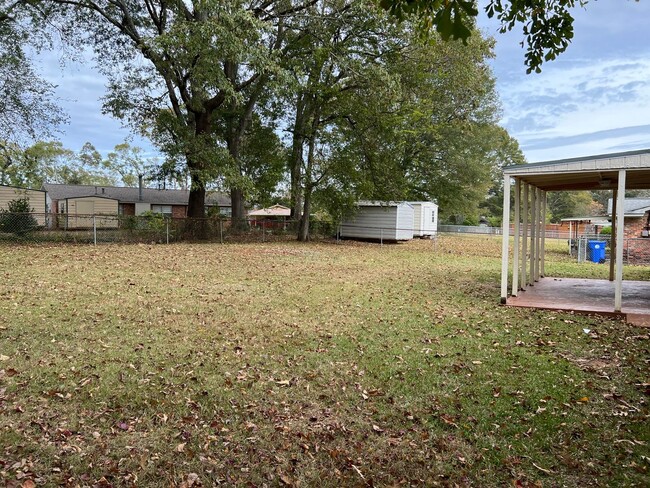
594, 99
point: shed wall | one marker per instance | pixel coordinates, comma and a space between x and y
36, 200
81, 211
380, 222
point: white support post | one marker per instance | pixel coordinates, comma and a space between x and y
517, 230
533, 234
543, 253
620, 225
505, 247
538, 224
524, 242
94, 231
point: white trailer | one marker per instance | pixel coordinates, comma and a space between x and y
386, 221
425, 219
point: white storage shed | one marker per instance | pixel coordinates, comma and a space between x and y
425, 219
388, 221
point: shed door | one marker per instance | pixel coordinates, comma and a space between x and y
85, 210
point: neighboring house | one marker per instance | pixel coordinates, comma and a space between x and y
636, 229
37, 200
425, 219
130, 201
388, 221
273, 216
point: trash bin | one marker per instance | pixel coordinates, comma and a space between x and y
597, 251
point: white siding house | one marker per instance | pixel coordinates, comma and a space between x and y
425, 219
389, 221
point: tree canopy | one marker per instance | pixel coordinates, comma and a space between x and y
547, 25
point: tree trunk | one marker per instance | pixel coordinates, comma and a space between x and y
196, 200
238, 217
303, 232
296, 159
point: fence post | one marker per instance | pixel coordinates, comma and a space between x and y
381, 237
221, 230
167, 229
94, 231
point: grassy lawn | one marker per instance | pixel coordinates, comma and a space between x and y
309, 365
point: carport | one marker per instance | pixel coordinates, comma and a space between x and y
618, 172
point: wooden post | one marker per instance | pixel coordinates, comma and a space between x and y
505, 244
620, 224
533, 234
517, 230
543, 255
524, 242
612, 238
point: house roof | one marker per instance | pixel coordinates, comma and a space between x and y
272, 211
634, 207
132, 194
598, 172
594, 220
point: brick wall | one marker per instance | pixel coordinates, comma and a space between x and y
634, 226
179, 211
637, 248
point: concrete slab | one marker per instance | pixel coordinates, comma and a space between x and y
587, 296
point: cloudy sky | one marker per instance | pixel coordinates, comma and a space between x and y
594, 99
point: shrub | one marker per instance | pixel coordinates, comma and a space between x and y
606, 231
17, 217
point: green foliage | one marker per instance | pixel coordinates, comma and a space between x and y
562, 205
151, 221
17, 218
606, 231
547, 25
27, 102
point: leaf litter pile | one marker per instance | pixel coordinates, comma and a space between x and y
288, 364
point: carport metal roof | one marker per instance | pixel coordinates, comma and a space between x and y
617, 171
589, 173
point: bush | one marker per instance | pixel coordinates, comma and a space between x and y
17, 218
606, 231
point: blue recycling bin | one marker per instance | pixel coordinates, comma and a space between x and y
597, 251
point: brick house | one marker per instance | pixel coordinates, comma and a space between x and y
636, 229
133, 201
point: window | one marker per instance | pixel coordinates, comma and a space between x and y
162, 209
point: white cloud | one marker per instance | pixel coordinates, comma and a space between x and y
594, 98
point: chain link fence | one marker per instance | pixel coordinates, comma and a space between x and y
149, 228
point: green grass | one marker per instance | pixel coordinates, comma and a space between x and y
311, 365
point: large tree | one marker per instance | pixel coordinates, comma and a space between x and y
27, 107
188, 74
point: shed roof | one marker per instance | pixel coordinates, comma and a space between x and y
132, 194
20, 188
375, 203
598, 172
272, 211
